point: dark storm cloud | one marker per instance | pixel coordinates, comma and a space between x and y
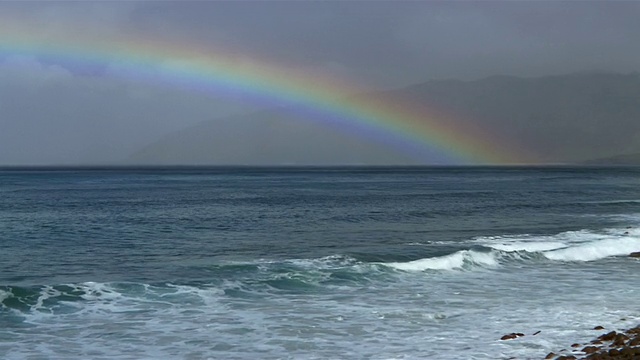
381, 43
395, 43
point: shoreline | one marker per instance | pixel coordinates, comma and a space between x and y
613, 344
622, 345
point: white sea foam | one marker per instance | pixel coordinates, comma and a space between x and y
581, 245
184, 293
529, 246
46, 293
147, 317
95, 291
429, 243
327, 262
613, 246
4, 295
629, 231
453, 261
565, 238
140, 323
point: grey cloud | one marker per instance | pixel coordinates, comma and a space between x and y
397, 43
50, 116
54, 113
385, 44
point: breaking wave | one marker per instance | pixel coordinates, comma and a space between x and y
580, 245
463, 259
583, 245
256, 278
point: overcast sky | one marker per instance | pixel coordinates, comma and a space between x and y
55, 113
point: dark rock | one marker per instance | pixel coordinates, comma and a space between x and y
624, 345
509, 336
519, 334
608, 336
635, 330
630, 353
620, 339
550, 355
598, 356
635, 254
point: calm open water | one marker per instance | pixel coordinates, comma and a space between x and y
314, 263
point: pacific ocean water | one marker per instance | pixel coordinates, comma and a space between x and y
314, 263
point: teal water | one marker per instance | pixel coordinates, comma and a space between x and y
314, 263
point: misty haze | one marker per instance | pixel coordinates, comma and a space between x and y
310, 180
556, 82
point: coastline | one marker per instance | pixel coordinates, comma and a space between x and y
610, 345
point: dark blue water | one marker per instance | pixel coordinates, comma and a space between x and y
151, 259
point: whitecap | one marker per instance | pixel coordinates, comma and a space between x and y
453, 261
528, 246
595, 250
4, 295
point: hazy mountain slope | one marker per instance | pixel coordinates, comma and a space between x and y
561, 118
274, 137
569, 118
626, 159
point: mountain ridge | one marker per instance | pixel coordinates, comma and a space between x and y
572, 118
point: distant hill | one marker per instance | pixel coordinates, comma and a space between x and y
274, 137
627, 159
569, 118
563, 119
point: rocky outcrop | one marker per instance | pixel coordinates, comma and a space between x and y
624, 345
511, 336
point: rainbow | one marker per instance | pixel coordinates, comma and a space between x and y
410, 128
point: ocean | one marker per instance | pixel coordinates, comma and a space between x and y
315, 263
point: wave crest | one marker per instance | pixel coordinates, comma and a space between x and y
583, 245
595, 250
459, 260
